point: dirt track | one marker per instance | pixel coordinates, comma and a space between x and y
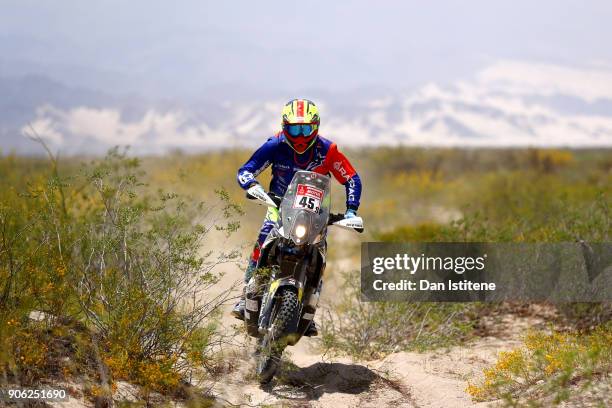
410, 379
401, 379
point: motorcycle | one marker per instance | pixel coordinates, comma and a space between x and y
283, 294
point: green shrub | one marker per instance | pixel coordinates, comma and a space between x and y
373, 329
549, 369
98, 247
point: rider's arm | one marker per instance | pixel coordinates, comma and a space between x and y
258, 162
353, 192
345, 173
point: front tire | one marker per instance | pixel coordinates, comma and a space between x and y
270, 347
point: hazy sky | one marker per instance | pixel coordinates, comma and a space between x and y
192, 47
199, 74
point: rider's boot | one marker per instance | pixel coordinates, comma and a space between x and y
311, 331
238, 311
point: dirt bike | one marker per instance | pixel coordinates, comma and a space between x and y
283, 294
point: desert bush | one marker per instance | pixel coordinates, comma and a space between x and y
516, 186
373, 329
98, 247
549, 160
551, 368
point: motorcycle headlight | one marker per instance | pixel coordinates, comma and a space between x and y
300, 231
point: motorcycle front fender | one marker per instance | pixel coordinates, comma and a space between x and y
270, 295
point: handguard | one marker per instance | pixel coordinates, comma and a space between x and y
256, 192
355, 223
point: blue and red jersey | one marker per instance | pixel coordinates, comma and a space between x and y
323, 158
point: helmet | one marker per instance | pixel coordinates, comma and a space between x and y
300, 124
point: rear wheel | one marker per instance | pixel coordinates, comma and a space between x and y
270, 347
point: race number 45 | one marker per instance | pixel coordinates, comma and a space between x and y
308, 198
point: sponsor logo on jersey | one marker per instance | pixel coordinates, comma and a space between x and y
351, 189
340, 169
351, 183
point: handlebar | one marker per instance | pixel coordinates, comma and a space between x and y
277, 200
334, 218
339, 217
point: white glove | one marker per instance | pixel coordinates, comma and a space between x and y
350, 213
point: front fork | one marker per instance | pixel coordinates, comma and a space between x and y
259, 309
268, 300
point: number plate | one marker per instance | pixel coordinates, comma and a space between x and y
308, 198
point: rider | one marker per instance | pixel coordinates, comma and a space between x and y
297, 147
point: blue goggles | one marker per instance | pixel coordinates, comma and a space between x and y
302, 129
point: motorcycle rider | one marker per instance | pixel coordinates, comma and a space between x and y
297, 146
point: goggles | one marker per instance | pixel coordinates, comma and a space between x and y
300, 129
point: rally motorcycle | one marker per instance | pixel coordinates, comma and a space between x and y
283, 294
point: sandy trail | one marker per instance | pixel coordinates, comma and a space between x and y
409, 379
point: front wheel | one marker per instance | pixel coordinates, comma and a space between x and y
270, 347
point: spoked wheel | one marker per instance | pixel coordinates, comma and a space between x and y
270, 347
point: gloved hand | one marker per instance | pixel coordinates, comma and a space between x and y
256, 191
350, 213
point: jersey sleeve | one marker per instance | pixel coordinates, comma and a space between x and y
258, 162
345, 173
353, 192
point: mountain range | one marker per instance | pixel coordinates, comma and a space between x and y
507, 103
